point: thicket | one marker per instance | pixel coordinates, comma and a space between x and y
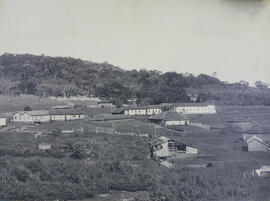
61, 76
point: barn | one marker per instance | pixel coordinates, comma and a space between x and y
256, 143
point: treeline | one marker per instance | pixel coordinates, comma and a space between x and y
65, 76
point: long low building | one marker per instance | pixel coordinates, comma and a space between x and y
47, 116
192, 108
138, 110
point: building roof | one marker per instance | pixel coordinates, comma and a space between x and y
258, 139
66, 112
187, 104
34, 113
143, 107
169, 116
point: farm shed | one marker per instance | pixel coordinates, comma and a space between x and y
257, 139
169, 118
257, 143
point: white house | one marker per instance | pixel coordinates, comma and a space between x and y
31, 116
193, 108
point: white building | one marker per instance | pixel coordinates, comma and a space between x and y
31, 116
263, 171
193, 108
145, 110
3, 122
47, 116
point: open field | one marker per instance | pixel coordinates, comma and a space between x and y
11, 104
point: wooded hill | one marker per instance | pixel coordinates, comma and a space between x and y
65, 76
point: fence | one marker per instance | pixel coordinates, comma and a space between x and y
200, 125
113, 131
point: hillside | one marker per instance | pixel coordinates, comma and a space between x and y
65, 76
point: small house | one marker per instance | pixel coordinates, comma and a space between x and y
31, 116
169, 118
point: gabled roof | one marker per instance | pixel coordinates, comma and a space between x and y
34, 113
258, 139
169, 116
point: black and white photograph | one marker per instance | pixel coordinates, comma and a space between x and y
134, 100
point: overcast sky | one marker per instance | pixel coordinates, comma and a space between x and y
230, 37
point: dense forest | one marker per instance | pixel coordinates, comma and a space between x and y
65, 76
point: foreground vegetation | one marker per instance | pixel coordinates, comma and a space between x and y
93, 164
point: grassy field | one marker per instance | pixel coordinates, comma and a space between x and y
11, 104
90, 166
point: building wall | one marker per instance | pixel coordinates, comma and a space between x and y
26, 118
142, 111
42, 118
254, 145
164, 151
3, 122
17, 117
209, 109
169, 123
58, 117
191, 150
74, 117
